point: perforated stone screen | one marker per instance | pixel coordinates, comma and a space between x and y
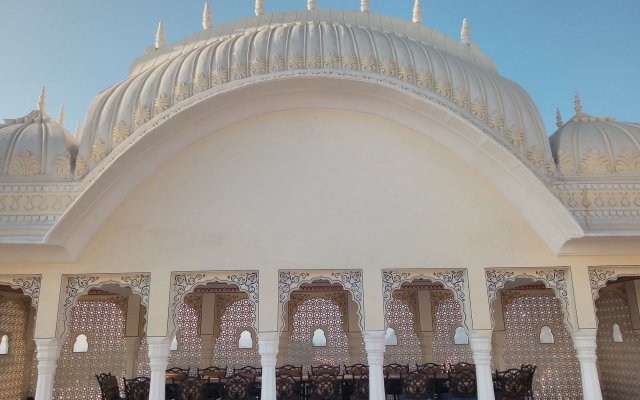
103, 322
310, 315
237, 317
401, 319
619, 363
558, 373
446, 318
13, 320
189, 353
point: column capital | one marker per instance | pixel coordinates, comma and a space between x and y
584, 341
480, 342
48, 350
268, 343
374, 341
158, 352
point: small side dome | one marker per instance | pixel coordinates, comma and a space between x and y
588, 145
36, 146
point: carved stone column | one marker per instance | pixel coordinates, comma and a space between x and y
48, 353
480, 342
584, 341
158, 361
268, 347
374, 344
132, 346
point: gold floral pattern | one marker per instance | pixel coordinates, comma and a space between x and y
387, 67
62, 165
120, 132
314, 61
496, 121
81, 167
350, 61
405, 72
295, 61
331, 60
25, 164
595, 163
201, 84
258, 66
369, 64
479, 109
219, 76
461, 98
515, 136
628, 162
181, 91
161, 103
98, 151
424, 79
536, 156
238, 71
141, 115
276, 64
443, 88
566, 164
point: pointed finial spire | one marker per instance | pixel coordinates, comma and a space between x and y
311, 5
365, 6
559, 122
577, 103
42, 100
61, 116
259, 7
465, 33
206, 17
417, 12
160, 36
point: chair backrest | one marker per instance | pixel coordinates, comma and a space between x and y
177, 374
212, 372
462, 366
512, 383
356, 369
529, 370
287, 388
395, 369
192, 388
462, 383
290, 370
361, 387
248, 371
109, 388
418, 384
325, 369
325, 386
137, 388
429, 367
237, 387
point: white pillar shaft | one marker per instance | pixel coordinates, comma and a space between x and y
48, 351
480, 342
268, 347
584, 341
374, 344
158, 362
133, 345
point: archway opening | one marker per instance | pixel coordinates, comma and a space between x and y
428, 323
530, 328
618, 337
18, 365
321, 326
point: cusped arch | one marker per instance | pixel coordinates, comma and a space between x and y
599, 277
28, 284
291, 280
154, 143
455, 280
75, 286
183, 283
552, 278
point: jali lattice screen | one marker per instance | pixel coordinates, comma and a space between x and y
618, 363
446, 318
401, 318
558, 373
103, 322
237, 317
189, 353
13, 322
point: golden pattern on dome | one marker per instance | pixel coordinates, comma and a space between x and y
98, 151
369, 64
258, 66
405, 73
461, 98
314, 61
479, 109
331, 60
536, 157
276, 63
25, 164
387, 67
566, 165
496, 121
161, 103
81, 167
515, 136
425, 79
120, 132
443, 88
628, 162
141, 115
594, 162
295, 61
219, 76
238, 71
201, 84
62, 165
350, 61
181, 91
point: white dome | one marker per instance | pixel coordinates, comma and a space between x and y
588, 145
36, 146
340, 44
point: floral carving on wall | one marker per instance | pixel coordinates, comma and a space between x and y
29, 284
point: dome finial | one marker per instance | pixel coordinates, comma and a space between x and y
259, 7
465, 33
365, 6
311, 5
559, 122
417, 12
577, 103
42, 100
160, 36
206, 17
61, 116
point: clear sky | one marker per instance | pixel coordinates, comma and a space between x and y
77, 48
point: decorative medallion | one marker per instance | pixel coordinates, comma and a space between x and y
25, 164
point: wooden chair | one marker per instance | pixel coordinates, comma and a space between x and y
325, 369
393, 374
511, 384
325, 386
248, 371
462, 366
290, 370
361, 387
212, 372
137, 388
462, 384
287, 387
418, 385
109, 388
441, 383
356, 369
529, 370
173, 377
237, 387
192, 388
395, 369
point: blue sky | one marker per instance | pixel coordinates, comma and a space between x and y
77, 48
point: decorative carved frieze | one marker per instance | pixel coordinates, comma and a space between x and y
28, 284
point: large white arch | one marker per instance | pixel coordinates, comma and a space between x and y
105, 187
